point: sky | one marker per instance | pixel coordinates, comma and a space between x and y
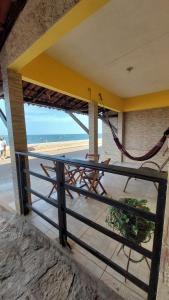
41, 120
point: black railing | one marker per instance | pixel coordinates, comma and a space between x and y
157, 218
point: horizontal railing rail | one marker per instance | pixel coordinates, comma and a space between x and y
149, 175
109, 201
158, 217
115, 203
110, 233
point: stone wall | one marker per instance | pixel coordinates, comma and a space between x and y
142, 130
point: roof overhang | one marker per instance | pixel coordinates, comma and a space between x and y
43, 97
103, 29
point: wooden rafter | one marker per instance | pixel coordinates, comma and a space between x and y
41, 96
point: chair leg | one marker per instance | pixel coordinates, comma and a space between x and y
128, 263
69, 193
93, 186
86, 184
128, 179
51, 192
103, 189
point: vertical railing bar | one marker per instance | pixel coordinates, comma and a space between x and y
22, 182
157, 242
61, 203
18, 166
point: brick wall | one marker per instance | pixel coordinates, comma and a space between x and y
109, 149
142, 130
12, 86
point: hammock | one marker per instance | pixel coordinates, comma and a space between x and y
146, 156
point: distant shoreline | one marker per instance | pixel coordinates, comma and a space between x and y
53, 138
59, 147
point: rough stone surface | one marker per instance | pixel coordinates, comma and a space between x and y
35, 19
33, 267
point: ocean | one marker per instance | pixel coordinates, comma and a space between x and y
48, 138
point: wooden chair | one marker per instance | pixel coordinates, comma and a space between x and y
80, 170
50, 170
92, 179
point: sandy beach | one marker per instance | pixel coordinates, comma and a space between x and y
55, 148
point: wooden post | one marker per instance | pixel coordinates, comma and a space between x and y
93, 128
13, 94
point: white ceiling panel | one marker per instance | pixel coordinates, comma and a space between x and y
123, 33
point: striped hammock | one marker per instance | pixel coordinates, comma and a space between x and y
144, 157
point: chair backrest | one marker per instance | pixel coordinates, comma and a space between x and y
92, 156
105, 163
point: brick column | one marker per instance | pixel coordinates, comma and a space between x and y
12, 86
121, 131
93, 128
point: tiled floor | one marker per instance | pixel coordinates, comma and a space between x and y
97, 212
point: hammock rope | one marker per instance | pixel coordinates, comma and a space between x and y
152, 152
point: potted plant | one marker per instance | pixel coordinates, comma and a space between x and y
132, 227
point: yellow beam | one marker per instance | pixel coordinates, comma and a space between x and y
81, 11
49, 73
148, 101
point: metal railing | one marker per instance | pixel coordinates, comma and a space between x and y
63, 211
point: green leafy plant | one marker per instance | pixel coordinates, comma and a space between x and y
132, 227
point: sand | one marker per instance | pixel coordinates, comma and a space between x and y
55, 148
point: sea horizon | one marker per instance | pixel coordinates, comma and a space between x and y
51, 138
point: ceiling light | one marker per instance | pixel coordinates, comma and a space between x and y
129, 69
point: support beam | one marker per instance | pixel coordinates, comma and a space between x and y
12, 86
52, 74
78, 122
3, 118
147, 101
93, 128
